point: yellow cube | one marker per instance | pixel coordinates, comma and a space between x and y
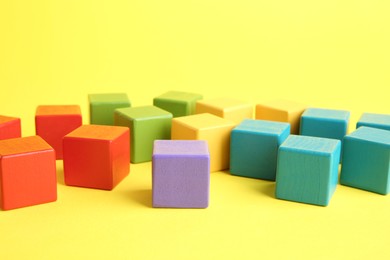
230, 109
208, 127
282, 111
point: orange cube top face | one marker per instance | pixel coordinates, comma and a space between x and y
58, 110
27, 172
10, 127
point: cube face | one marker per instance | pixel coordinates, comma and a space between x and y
380, 121
230, 109
27, 173
307, 169
208, 127
181, 174
10, 127
96, 156
254, 148
178, 103
146, 124
52, 123
102, 107
366, 160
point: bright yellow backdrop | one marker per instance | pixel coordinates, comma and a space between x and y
332, 54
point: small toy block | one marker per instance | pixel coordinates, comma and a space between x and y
102, 107
282, 111
307, 169
27, 172
52, 123
230, 109
178, 103
10, 127
254, 148
366, 160
96, 156
181, 174
381, 121
147, 123
213, 129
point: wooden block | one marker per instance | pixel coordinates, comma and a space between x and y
254, 148
307, 169
147, 123
52, 123
178, 103
181, 174
96, 156
208, 127
282, 111
102, 107
27, 172
10, 127
230, 109
381, 121
366, 153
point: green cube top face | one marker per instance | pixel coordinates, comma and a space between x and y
102, 107
178, 103
143, 113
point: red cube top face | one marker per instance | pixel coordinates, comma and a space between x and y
9, 127
23, 145
99, 132
58, 110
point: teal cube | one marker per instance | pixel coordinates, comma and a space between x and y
178, 103
381, 121
254, 148
307, 169
102, 107
366, 160
147, 123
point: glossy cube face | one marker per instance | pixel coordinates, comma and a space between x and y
146, 124
366, 160
281, 111
27, 172
102, 107
307, 169
230, 109
381, 121
254, 148
10, 127
96, 156
52, 123
208, 127
178, 103
181, 174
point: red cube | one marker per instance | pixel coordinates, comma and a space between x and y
9, 127
52, 123
96, 156
27, 172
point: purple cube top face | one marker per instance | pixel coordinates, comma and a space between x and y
181, 174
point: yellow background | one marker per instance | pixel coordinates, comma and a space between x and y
332, 54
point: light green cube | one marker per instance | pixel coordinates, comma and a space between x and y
147, 123
178, 103
102, 107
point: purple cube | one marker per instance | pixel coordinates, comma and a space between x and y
181, 174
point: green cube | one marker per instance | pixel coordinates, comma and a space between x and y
178, 103
102, 107
147, 123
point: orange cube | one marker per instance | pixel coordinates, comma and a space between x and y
10, 127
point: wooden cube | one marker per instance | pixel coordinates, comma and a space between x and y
27, 172
230, 109
181, 174
102, 107
178, 103
96, 156
52, 123
381, 121
282, 111
10, 127
213, 129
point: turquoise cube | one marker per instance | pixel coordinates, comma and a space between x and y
366, 160
254, 148
380, 121
147, 123
102, 107
178, 103
307, 169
